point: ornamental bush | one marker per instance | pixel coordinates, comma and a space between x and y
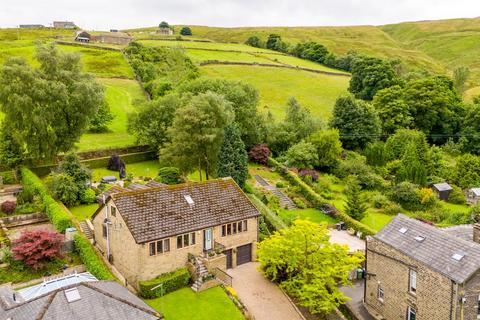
36, 248
88, 196
8, 207
169, 175
164, 283
259, 154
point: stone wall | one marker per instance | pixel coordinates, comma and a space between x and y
389, 269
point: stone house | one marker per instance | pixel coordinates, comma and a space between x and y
165, 31
113, 38
418, 271
82, 36
473, 196
147, 232
64, 25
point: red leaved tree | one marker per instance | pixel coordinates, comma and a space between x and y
37, 247
259, 154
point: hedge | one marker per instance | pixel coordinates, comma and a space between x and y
164, 283
318, 200
272, 219
90, 258
55, 212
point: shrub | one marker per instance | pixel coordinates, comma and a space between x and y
457, 196
379, 201
427, 197
392, 208
273, 202
169, 175
88, 196
299, 203
63, 188
304, 173
26, 196
280, 184
164, 283
8, 207
36, 248
57, 214
406, 194
259, 154
90, 258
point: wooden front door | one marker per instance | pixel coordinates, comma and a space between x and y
228, 253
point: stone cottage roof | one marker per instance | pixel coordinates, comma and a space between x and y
165, 211
106, 300
452, 256
464, 231
442, 186
475, 191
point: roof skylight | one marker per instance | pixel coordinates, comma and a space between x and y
420, 238
72, 295
403, 230
189, 200
458, 256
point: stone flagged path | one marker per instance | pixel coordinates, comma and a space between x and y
262, 298
285, 201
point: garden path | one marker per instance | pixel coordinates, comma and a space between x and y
285, 201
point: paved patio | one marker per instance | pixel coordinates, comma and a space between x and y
356, 303
261, 297
342, 237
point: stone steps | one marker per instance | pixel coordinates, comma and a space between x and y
285, 201
86, 230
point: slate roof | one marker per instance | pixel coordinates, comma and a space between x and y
106, 300
442, 186
464, 231
156, 213
476, 191
109, 192
436, 250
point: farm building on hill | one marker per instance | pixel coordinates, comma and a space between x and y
473, 196
113, 38
31, 26
442, 190
165, 31
64, 25
83, 36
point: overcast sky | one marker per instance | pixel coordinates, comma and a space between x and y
107, 14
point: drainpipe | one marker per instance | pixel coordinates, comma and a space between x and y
106, 222
366, 272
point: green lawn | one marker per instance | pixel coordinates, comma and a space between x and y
311, 214
184, 304
84, 211
317, 92
139, 169
121, 95
203, 55
376, 220
203, 45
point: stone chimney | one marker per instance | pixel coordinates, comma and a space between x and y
476, 232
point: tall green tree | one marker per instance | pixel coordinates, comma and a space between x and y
356, 120
100, 121
467, 174
47, 108
328, 146
412, 168
470, 128
254, 41
233, 158
302, 155
355, 206
186, 31
164, 24
243, 98
307, 266
370, 75
460, 77
393, 111
435, 106
197, 133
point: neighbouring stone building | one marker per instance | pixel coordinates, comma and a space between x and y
473, 196
418, 271
82, 36
64, 25
442, 190
150, 231
113, 38
165, 31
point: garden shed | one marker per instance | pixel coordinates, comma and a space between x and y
442, 190
473, 196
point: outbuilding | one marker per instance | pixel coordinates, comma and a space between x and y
83, 36
473, 196
442, 190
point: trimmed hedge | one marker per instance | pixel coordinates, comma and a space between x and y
90, 258
318, 200
164, 283
272, 219
55, 212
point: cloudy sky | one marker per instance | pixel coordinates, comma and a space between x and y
106, 14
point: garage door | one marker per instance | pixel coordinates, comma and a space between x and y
244, 254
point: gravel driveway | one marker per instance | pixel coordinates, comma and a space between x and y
261, 297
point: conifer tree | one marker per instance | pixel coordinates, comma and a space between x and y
355, 207
232, 158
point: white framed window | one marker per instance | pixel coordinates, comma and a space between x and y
234, 228
411, 314
185, 240
380, 294
412, 281
159, 247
